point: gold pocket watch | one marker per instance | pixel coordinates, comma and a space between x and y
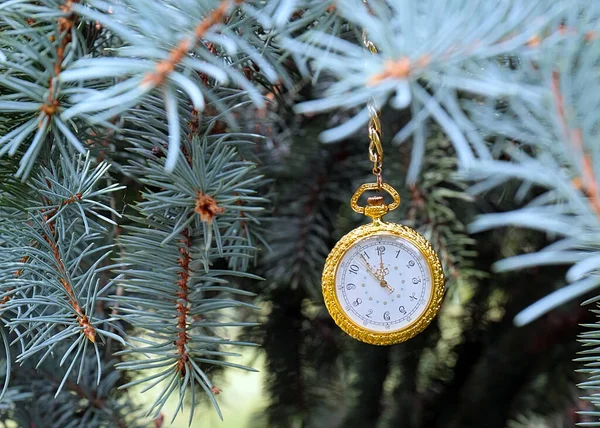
382, 283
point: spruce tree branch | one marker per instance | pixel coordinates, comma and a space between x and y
188, 221
48, 224
65, 26
82, 319
183, 301
39, 50
587, 181
167, 66
54, 292
557, 156
48, 219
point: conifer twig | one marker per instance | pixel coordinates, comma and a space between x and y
48, 219
82, 319
176, 55
65, 25
587, 182
183, 301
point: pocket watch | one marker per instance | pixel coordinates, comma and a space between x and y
382, 283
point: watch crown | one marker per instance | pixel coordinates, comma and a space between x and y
375, 200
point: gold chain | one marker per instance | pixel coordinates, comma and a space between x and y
375, 147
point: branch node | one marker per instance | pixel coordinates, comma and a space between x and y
396, 69
207, 207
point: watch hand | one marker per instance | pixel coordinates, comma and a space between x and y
370, 269
381, 267
379, 277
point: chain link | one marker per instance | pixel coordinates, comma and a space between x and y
375, 147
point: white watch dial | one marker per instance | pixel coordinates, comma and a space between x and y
383, 283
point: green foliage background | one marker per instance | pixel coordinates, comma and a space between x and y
174, 173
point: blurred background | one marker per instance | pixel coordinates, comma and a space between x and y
472, 367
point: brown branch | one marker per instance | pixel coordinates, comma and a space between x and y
399, 69
183, 300
88, 329
65, 25
82, 319
396, 69
165, 67
587, 182
24, 259
194, 127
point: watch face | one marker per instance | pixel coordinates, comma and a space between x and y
383, 283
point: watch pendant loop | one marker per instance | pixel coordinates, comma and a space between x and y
375, 208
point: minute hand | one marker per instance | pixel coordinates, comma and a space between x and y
381, 266
379, 277
370, 269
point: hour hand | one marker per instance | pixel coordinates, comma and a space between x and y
370, 269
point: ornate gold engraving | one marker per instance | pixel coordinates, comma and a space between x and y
374, 186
